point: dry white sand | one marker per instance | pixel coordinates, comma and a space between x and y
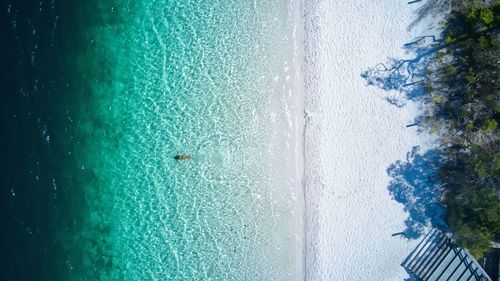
352, 135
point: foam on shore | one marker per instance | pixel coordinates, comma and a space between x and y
352, 136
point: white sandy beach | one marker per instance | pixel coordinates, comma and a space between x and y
352, 135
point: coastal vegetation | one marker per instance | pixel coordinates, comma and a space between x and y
461, 83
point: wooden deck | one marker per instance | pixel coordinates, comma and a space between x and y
438, 258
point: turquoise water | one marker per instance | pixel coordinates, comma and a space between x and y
206, 78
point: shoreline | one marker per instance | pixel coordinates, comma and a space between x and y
299, 86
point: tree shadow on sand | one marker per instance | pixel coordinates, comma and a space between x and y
416, 185
414, 182
406, 76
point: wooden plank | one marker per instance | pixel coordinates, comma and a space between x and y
465, 274
439, 257
450, 267
409, 260
432, 254
437, 262
439, 267
458, 269
422, 250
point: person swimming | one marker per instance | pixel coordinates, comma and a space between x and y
182, 157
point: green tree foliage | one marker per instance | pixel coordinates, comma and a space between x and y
489, 125
464, 103
472, 198
486, 16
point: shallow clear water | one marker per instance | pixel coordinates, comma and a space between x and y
204, 78
99, 97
